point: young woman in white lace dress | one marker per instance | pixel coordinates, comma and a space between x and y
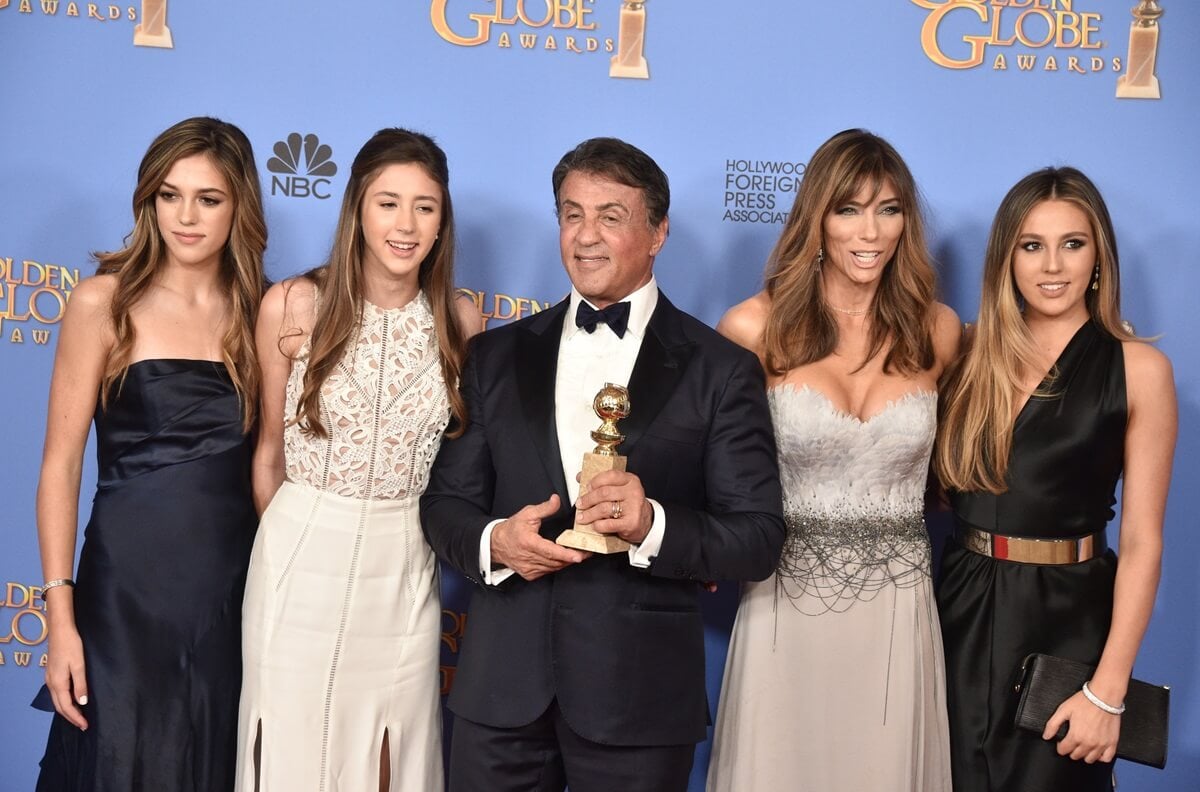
342, 618
835, 679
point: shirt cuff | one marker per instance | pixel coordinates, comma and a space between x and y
492, 577
641, 555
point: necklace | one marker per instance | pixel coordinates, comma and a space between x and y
849, 311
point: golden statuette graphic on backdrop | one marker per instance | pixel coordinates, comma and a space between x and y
611, 404
152, 31
1139, 81
630, 60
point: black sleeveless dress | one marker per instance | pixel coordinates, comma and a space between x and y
159, 594
1067, 456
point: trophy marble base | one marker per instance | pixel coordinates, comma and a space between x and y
143, 39
592, 542
638, 70
1126, 90
583, 537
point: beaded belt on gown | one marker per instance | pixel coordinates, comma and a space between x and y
838, 560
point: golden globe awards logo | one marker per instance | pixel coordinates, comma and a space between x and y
32, 293
1039, 36
963, 34
503, 307
23, 627
565, 26
101, 12
302, 177
151, 31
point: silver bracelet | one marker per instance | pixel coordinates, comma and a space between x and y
1109, 708
49, 584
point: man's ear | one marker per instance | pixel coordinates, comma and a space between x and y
660, 236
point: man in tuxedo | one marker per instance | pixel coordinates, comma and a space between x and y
583, 669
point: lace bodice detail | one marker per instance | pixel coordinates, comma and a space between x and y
833, 465
385, 407
853, 497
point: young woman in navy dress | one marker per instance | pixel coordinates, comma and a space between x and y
158, 350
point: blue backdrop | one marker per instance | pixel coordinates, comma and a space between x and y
974, 93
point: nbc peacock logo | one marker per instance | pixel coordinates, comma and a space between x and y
302, 177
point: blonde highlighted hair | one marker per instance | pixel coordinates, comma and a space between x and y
978, 400
137, 264
801, 327
339, 281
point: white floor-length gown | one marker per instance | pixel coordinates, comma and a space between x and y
835, 679
342, 620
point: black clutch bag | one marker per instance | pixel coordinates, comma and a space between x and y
1047, 681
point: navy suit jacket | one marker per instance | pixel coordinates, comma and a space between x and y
621, 648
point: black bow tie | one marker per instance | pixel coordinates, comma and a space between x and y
616, 316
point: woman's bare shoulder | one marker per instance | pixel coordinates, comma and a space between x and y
470, 320
745, 322
293, 301
948, 334
1147, 365
95, 293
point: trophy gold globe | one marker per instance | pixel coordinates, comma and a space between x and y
611, 405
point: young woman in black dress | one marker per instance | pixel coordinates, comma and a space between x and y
158, 349
1055, 401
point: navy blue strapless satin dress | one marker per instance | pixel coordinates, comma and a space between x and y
159, 589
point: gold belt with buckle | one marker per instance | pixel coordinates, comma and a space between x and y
1032, 551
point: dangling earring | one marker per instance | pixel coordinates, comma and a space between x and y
820, 256
1096, 279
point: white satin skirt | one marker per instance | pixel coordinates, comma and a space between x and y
340, 642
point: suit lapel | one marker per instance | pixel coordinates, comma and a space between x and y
660, 364
537, 357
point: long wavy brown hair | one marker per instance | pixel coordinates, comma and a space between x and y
978, 400
138, 264
339, 279
801, 328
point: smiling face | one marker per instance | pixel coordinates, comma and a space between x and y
605, 237
401, 214
861, 236
194, 208
1054, 260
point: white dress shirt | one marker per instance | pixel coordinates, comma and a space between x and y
586, 361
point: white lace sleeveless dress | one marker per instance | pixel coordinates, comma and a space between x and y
835, 680
342, 620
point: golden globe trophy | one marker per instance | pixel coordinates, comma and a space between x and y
630, 60
611, 404
152, 31
1138, 81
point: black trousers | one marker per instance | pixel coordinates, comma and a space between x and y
547, 755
